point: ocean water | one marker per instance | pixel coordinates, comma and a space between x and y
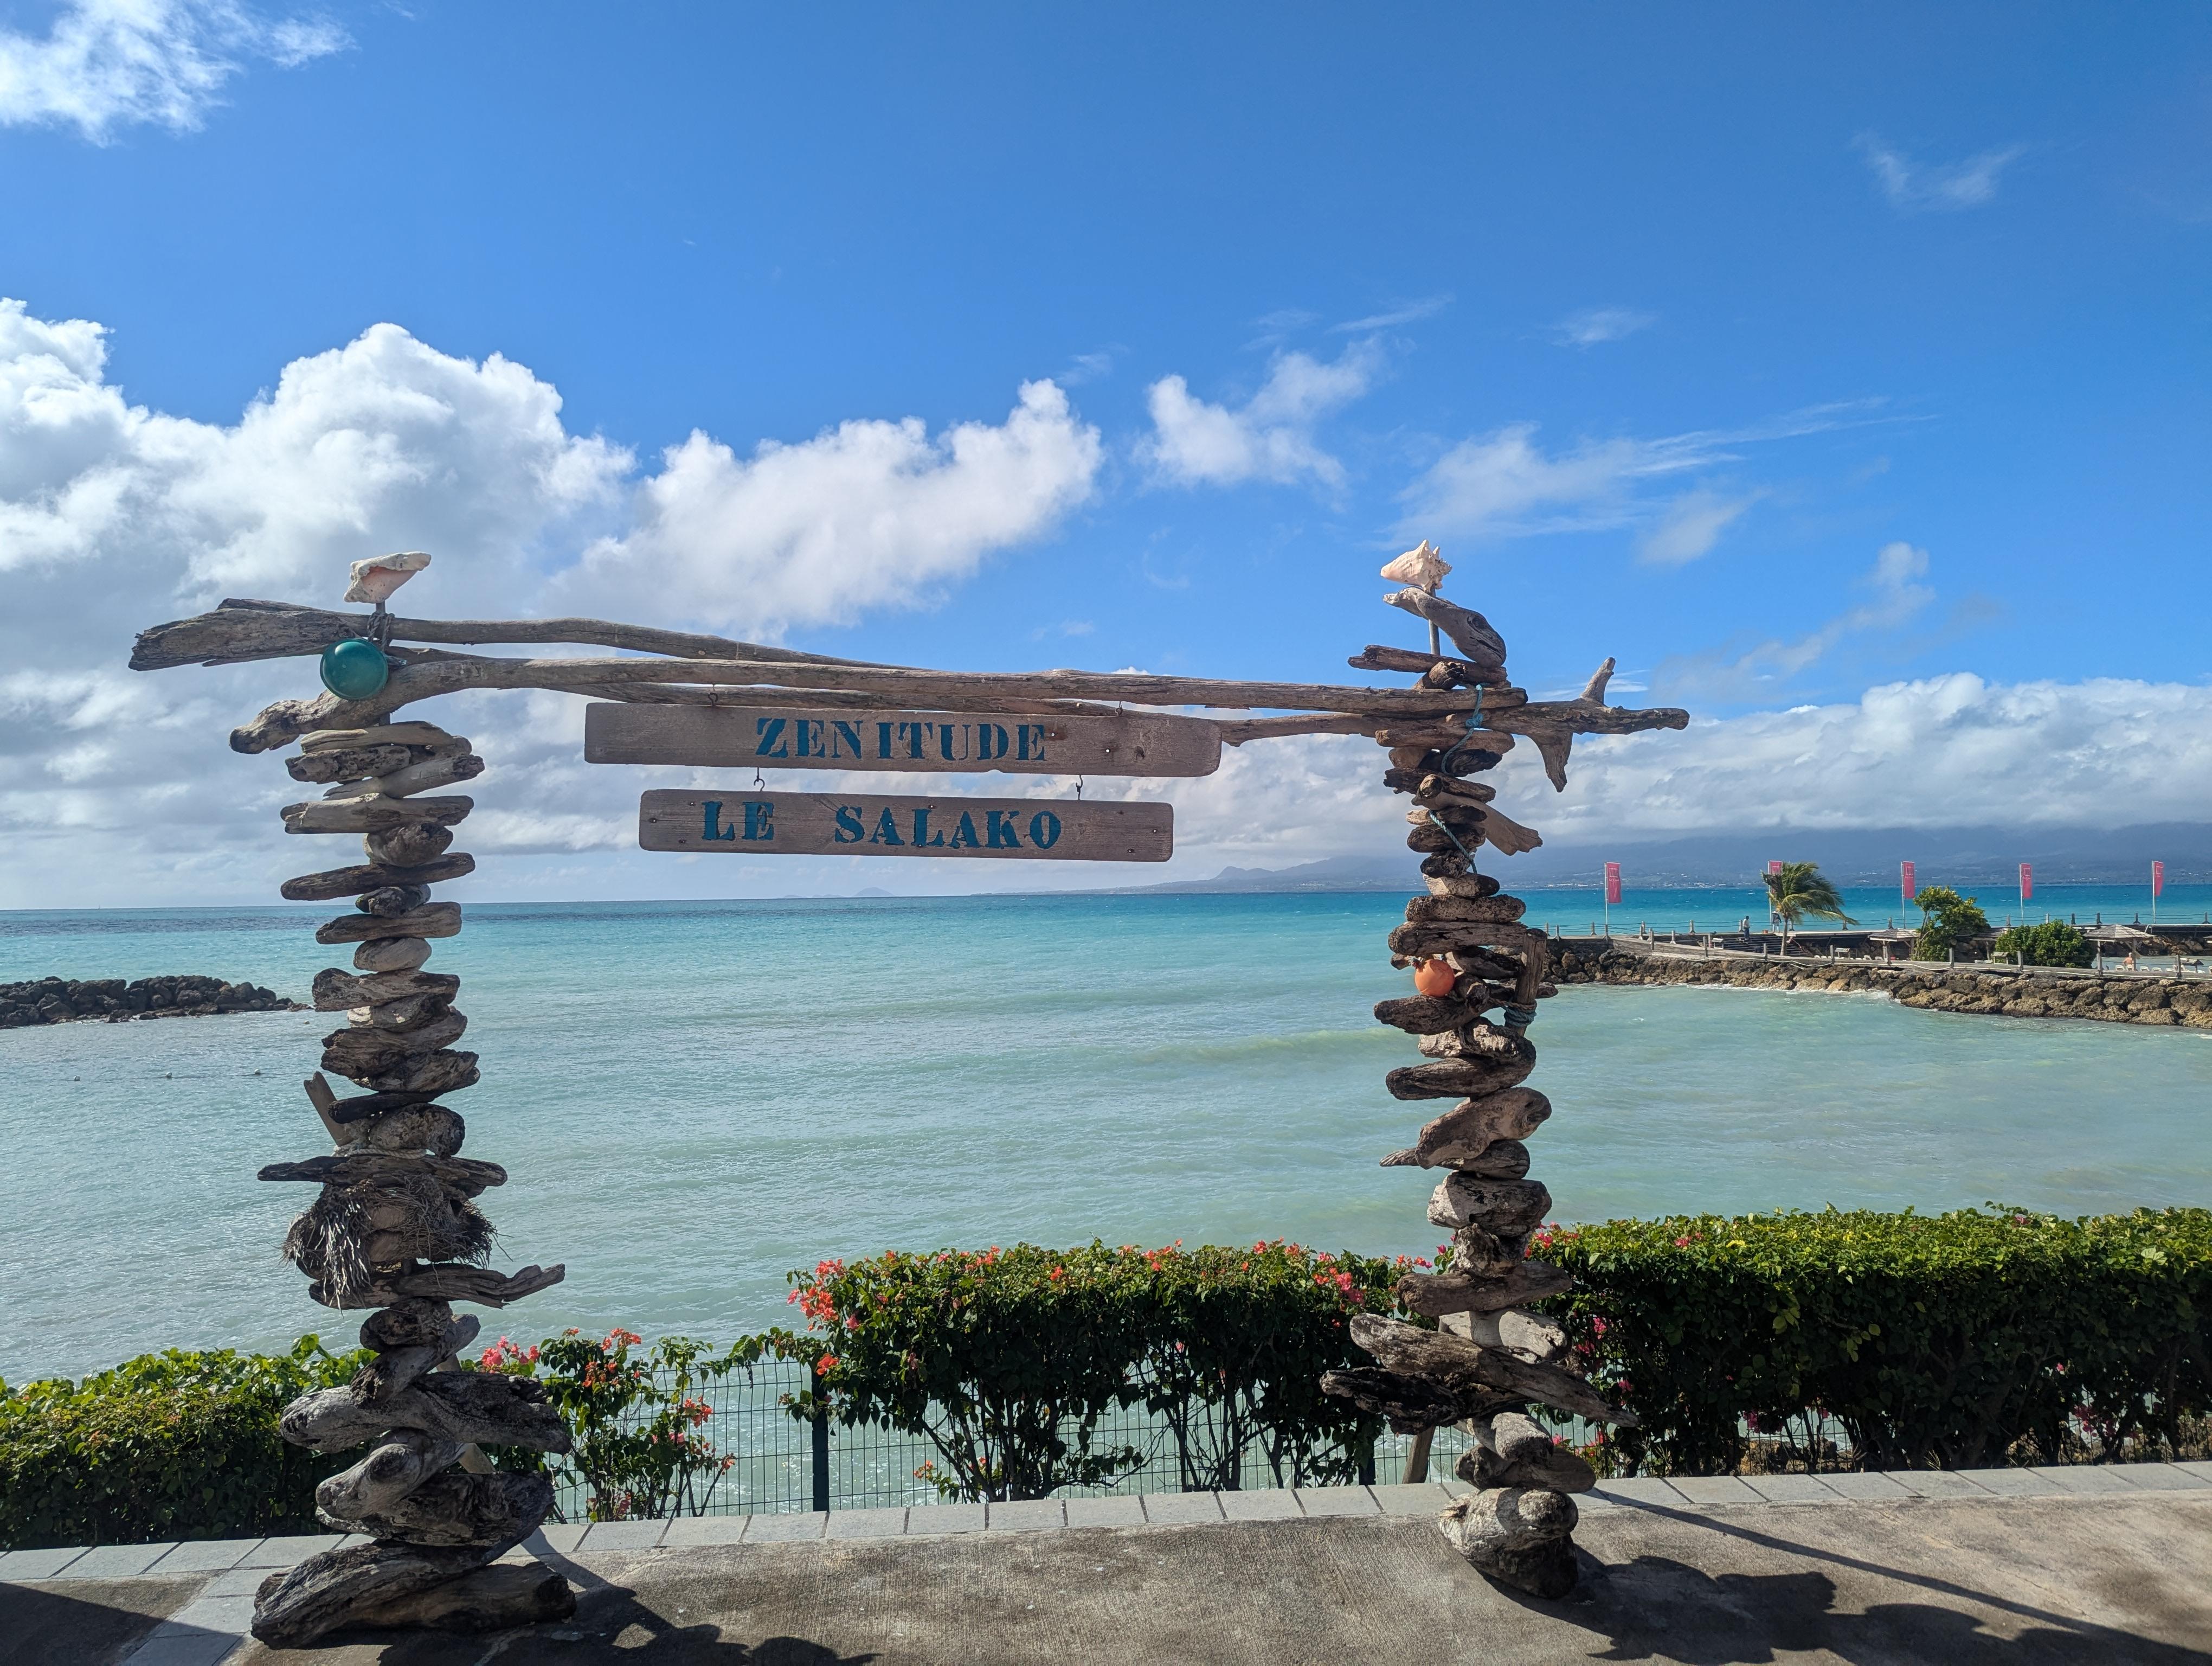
692, 1099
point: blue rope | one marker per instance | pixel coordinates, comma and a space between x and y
1474, 719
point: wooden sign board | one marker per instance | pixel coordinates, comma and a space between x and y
867, 824
834, 738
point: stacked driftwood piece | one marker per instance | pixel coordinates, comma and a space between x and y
1482, 974
396, 1229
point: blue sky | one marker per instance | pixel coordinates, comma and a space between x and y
1786, 354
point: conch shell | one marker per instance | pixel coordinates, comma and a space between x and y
375, 579
1423, 566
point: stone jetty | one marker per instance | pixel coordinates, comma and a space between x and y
71, 1000
2023, 993
1478, 975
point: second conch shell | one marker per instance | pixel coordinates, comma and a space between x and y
1423, 566
375, 579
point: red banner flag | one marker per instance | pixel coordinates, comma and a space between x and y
2158, 878
1905, 877
1613, 882
1774, 867
2027, 883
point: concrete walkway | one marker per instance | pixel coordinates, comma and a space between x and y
1985, 1567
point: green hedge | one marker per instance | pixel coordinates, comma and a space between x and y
1945, 1341
1007, 1360
1955, 1339
172, 1445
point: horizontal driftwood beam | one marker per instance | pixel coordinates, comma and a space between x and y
240, 630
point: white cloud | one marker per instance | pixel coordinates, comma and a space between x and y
1504, 484
868, 514
1898, 599
1943, 751
116, 786
1689, 527
1411, 311
106, 64
1270, 436
1594, 324
1912, 185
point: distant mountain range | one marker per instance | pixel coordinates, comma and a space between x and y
1957, 856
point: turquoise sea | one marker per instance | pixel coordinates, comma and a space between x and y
693, 1098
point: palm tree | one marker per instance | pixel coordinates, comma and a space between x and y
1798, 891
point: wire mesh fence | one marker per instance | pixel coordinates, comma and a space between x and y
779, 1462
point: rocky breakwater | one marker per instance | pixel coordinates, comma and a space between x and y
67, 999
2023, 994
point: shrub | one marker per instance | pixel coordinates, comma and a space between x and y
2053, 943
640, 1450
1006, 1360
1939, 1340
173, 1445
1948, 921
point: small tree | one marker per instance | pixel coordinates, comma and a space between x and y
1798, 891
1947, 921
2053, 943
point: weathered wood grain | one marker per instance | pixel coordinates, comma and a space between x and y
335, 991
299, 1606
372, 814
435, 919
239, 630
395, 1469
1450, 1079
1502, 1208
422, 737
333, 883
390, 902
1489, 908
391, 954
287, 720
465, 1175
444, 1072
1425, 939
1463, 674
1519, 1537
346, 763
413, 846
1468, 1130
1412, 1404
455, 1508
1442, 1358
797, 737
484, 1406
1470, 632
413, 779
740, 823
1437, 1294
437, 1129
1475, 1041
505, 1596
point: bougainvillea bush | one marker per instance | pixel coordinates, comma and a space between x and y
1007, 1361
1955, 1340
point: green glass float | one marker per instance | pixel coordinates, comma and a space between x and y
354, 668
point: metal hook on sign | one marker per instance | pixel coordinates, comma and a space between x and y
759, 785
1078, 789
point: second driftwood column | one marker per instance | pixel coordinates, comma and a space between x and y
1479, 973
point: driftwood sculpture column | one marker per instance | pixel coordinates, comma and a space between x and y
1479, 975
396, 1229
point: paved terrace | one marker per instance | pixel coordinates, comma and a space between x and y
1996, 1567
